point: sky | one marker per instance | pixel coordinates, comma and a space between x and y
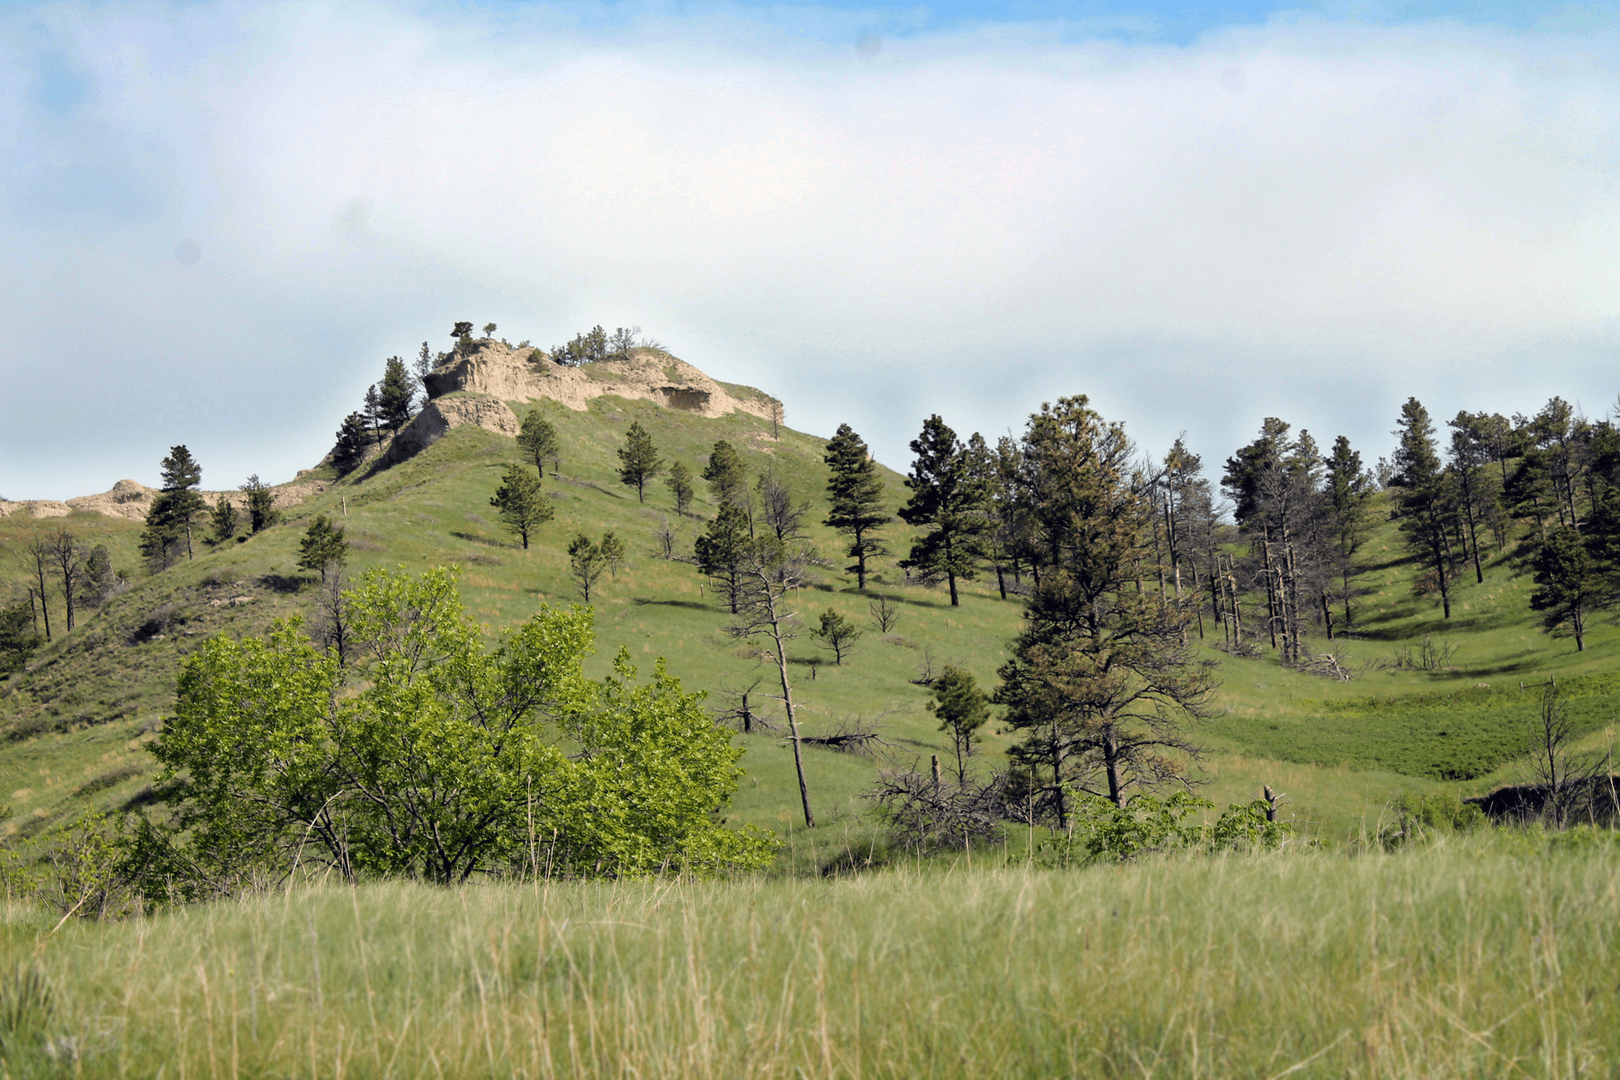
217, 220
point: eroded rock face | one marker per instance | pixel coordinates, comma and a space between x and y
441, 414
492, 368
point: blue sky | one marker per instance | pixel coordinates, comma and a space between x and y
218, 219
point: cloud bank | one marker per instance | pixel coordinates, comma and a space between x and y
220, 219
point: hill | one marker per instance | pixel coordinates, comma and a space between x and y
77, 719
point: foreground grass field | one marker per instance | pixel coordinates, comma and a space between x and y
1486, 956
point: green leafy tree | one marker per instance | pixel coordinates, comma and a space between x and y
855, 492
261, 504
350, 448
223, 520
1102, 678
962, 709
638, 460
723, 549
836, 633
679, 482
587, 563
523, 506
323, 548
946, 497
538, 441
395, 395
435, 757
1426, 499
726, 476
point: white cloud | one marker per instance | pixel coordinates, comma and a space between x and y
1309, 219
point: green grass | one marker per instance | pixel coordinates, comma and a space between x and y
1486, 956
77, 719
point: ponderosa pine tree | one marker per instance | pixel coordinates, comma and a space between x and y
181, 475
1101, 678
223, 520
722, 550
855, 495
1569, 584
350, 448
1426, 499
948, 499
1478, 485
586, 562
261, 504
395, 395
962, 709
323, 548
522, 504
679, 482
1349, 489
538, 441
726, 476
638, 460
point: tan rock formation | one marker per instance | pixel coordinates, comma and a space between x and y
643, 374
131, 500
441, 414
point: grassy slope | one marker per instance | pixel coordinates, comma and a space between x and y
1340, 750
1470, 959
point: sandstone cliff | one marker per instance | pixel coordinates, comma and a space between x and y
508, 374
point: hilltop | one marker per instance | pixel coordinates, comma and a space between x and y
77, 719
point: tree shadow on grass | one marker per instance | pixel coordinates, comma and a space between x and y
283, 583
473, 538
693, 605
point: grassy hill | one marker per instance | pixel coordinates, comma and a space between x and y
76, 720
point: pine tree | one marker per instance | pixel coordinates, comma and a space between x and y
181, 475
1426, 499
586, 561
350, 449
721, 551
372, 413
1101, 675
523, 506
538, 441
855, 492
261, 504
962, 709
679, 482
727, 478
946, 496
395, 395
1569, 584
223, 521
837, 633
323, 547
638, 460
1349, 490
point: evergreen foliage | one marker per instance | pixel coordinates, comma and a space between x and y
522, 504
350, 449
962, 709
679, 482
1101, 677
538, 441
856, 495
395, 396
951, 501
1426, 499
722, 550
586, 562
837, 633
638, 460
261, 504
223, 520
726, 476
323, 548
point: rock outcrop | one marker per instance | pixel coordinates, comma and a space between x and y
131, 499
508, 374
441, 414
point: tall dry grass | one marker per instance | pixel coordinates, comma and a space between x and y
1485, 956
